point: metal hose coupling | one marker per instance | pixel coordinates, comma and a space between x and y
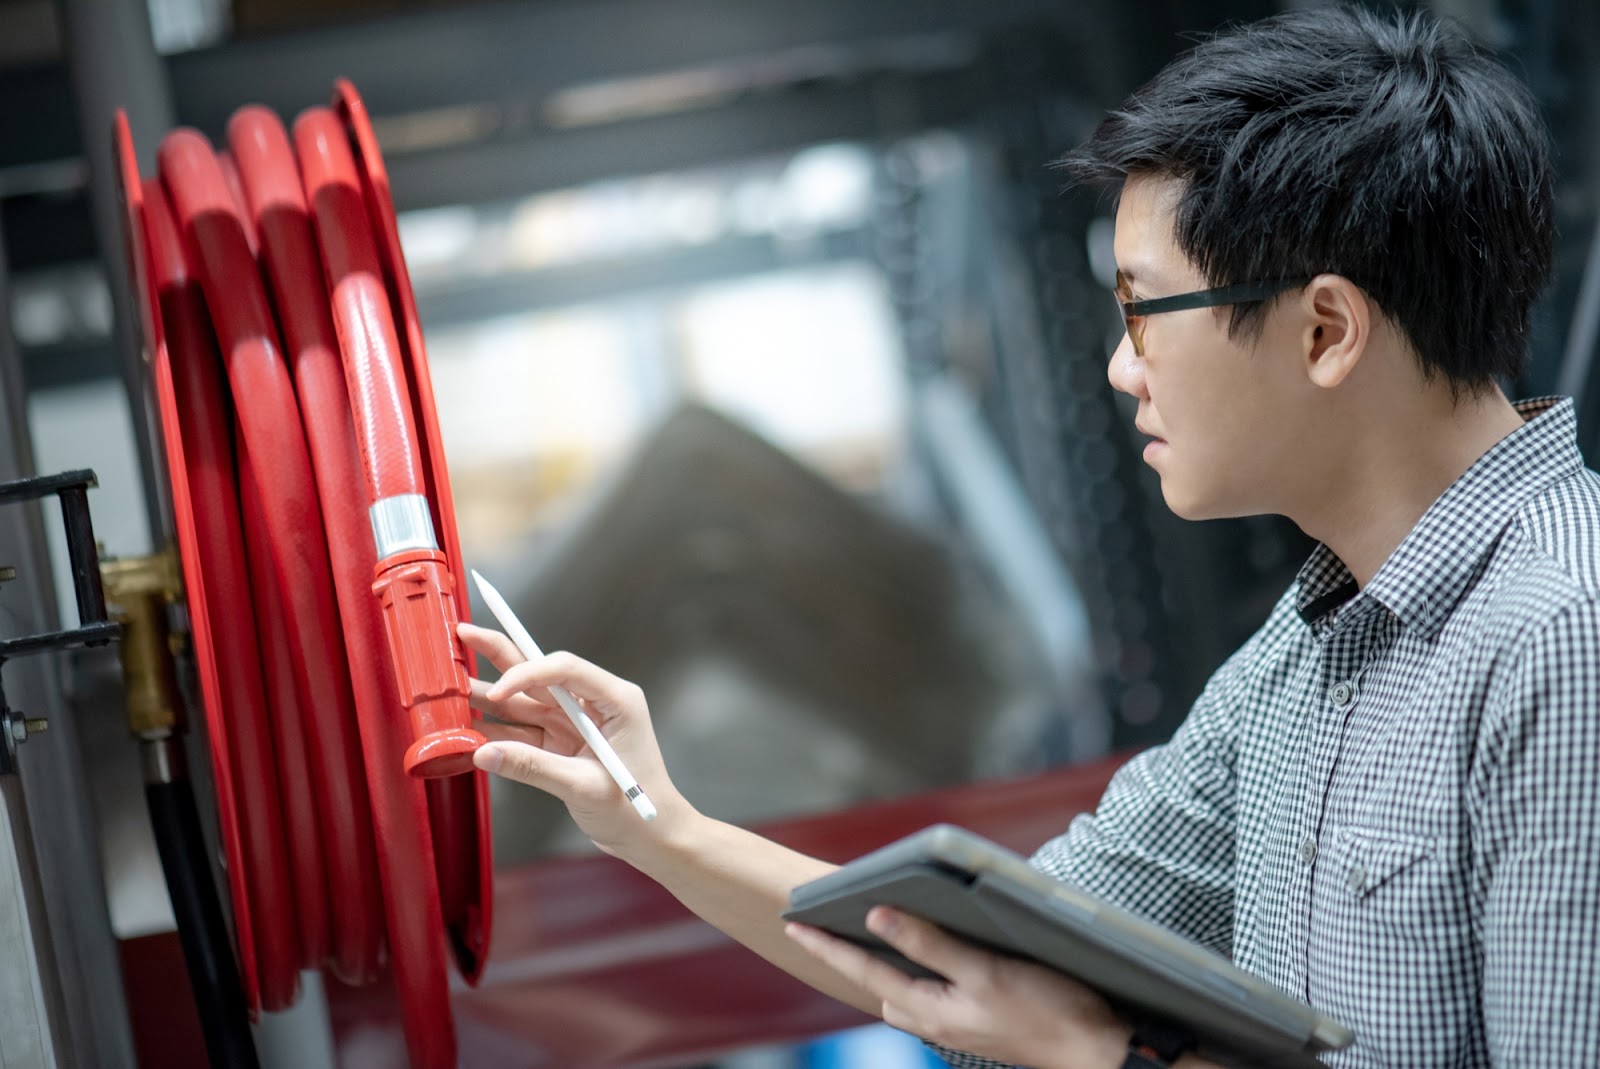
138, 591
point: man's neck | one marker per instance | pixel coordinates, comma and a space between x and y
1391, 472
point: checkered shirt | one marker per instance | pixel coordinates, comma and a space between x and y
1387, 802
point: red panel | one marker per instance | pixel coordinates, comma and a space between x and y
161, 1011
595, 966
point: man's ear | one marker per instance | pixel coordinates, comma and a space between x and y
1338, 327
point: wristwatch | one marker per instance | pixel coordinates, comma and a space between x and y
1156, 1047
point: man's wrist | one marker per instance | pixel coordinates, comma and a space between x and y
660, 848
1107, 1050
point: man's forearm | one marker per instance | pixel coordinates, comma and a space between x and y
739, 883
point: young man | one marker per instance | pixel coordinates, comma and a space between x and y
1332, 226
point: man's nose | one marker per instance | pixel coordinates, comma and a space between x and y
1126, 369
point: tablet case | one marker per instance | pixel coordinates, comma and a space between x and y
994, 898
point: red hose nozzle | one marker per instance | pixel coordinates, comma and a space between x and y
418, 596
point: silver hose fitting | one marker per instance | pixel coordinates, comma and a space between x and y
400, 523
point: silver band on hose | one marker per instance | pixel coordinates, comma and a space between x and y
162, 759
400, 523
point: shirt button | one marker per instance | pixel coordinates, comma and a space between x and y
1308, 850
1342, 694
1358, 878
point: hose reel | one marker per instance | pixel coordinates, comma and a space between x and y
320, 557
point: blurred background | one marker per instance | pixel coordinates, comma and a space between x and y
769, 354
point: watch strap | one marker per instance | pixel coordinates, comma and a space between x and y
1156, 1046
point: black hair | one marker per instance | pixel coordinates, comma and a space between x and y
1381, 147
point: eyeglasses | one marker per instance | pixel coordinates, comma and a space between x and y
1134, 312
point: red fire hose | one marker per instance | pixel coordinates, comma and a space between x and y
311, 500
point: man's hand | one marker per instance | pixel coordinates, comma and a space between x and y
997, 1007
532, 741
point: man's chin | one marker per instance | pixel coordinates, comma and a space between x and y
1188, 511
1192, 503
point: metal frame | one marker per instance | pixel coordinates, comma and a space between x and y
508, 53
71, 952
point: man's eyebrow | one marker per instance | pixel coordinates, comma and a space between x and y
1148, 277
1130, 274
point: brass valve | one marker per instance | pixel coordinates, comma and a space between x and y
138, 591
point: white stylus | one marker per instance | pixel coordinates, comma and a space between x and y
591, 734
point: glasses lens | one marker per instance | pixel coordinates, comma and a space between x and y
1133, 324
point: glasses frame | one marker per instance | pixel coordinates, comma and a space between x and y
1135, 312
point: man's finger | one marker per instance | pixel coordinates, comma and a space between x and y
478, 698
606, 693
926, 944
500, 650
496, 731
520, 708
557, 736
883, 981
550, 772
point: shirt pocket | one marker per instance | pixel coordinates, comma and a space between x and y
1370, 858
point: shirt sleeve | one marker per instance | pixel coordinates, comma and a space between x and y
1536, 844
1160, 844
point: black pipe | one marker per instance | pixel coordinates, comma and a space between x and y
218, 993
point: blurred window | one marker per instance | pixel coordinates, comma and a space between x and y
778, 322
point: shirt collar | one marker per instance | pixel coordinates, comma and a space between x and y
1433, 566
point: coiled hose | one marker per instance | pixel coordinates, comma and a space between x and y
311, 498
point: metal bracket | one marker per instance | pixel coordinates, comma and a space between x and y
72, 488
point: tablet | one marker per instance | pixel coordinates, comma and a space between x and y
994, 898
